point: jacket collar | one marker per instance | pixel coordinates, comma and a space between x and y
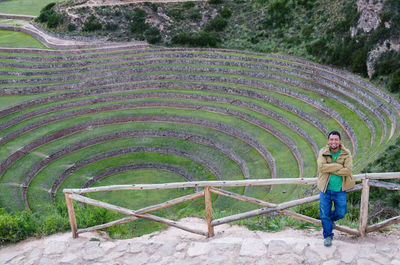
327, 152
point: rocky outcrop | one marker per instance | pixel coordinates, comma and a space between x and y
369, 15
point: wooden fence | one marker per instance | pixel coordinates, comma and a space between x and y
367, 180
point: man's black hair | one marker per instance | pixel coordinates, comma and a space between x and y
334, 133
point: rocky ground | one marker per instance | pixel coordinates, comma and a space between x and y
231, 245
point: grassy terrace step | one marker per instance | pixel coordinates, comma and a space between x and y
88, 117
363, 117
6, 123
282, 62
244, 72
297, 155
158, 166
135, 134
16, 155
114, 107
237, 79
165, 95
333, 86
128, 141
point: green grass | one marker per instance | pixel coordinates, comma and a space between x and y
38, 191
24, 7
15, 39
15, 173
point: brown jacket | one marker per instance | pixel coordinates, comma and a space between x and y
343, 167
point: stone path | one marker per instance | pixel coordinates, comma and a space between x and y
231, 245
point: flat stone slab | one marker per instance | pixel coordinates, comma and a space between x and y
230, 245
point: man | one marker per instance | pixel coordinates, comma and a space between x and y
334, 178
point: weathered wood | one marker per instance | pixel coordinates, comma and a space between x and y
171, 202
207, 195
191, 184
286, 212
385, 185
144, 210
102, 226
270, 207
374, 227
235, 183
318, 222
261, 211
364, 207
355, 188
241, 197
134, 213
71, 215
385, 175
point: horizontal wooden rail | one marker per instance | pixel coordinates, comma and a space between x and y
368, 179
223, 183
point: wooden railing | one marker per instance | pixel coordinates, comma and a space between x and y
367, 179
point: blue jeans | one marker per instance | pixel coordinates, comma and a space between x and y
328, 216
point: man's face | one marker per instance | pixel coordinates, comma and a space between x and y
334, 142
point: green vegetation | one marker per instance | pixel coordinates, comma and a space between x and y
18, 226
234, 101
49, 16
202, 39
91, 24
24, 7
14, 39
317, 30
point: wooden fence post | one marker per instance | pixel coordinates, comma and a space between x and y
207, 196
364, 207
71, 215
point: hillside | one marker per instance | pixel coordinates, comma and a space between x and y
358, 35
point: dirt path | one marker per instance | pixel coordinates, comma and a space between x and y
22, 24
231, 245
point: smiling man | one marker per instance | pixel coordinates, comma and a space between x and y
334, 178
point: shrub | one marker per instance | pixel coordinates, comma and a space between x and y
111, 26
91, 24
49, 16
205, 39
278, 13
176, 14
15, 227
215, 2
359, 62
387, 63
202, 39
54, 20
395, 83
71, 27
217, 24
138, 25
152, 35
225, 12
188, 5
48, 7
139, 14
195, 14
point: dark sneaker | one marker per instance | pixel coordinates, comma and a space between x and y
328, 241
